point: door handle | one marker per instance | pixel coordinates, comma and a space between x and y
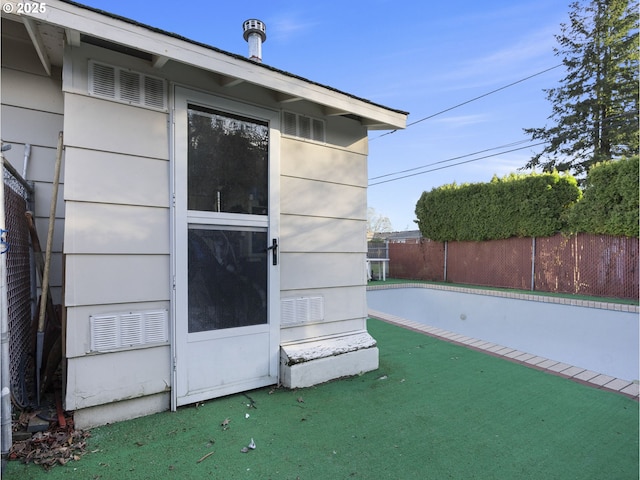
274, 251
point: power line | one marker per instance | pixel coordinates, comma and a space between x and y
520, 142
455, 164
472, 100
512, 144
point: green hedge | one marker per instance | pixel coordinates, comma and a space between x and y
611, 200
534, 205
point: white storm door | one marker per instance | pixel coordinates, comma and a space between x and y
226, 321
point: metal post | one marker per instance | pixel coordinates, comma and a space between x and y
445, 260
5, 374
533, 263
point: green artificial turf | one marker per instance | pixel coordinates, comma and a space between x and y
433, 410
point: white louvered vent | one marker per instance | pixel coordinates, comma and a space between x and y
290, 121
154, 93
317, 130
303, 127
127, 86
103, 81
301, 309
130, 87
130, 329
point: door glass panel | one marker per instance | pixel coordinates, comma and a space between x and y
227, 278
227, 163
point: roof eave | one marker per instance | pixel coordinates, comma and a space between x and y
78, 19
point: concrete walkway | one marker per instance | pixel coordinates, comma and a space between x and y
577, 374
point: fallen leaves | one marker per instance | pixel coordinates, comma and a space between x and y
24, 419
52, 447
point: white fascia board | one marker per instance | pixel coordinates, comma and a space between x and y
158, 44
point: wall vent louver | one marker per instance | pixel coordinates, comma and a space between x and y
290, 121
301, 310
103, 81
127, 86
130, 87
127, 330
317, 130
303, 127
154, 93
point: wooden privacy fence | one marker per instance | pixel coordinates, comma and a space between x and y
585, 264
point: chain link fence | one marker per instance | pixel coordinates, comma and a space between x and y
424, 260
583, 264
377, 249
599, 265
20, 288
499, 263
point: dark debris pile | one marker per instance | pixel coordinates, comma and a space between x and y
55, 446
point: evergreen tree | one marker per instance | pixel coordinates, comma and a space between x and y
595, 108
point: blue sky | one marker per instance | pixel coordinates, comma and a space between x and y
418, 56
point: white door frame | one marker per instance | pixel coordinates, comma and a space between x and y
180, 219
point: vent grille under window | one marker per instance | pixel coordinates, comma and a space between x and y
303, 127
130, 329
127, 86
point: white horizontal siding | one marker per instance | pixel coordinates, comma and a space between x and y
345, 311
42, 195
108, 229
42, 225
32, 114
114, 279
300, 333
21, 125
323, 230
113, 127
34, 92
321, 199
322, 234
111, 377
321, 270
117, 223
107, 177
55, 275
41, 164
339, 303
324, 163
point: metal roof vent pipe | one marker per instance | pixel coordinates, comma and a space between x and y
255, 32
